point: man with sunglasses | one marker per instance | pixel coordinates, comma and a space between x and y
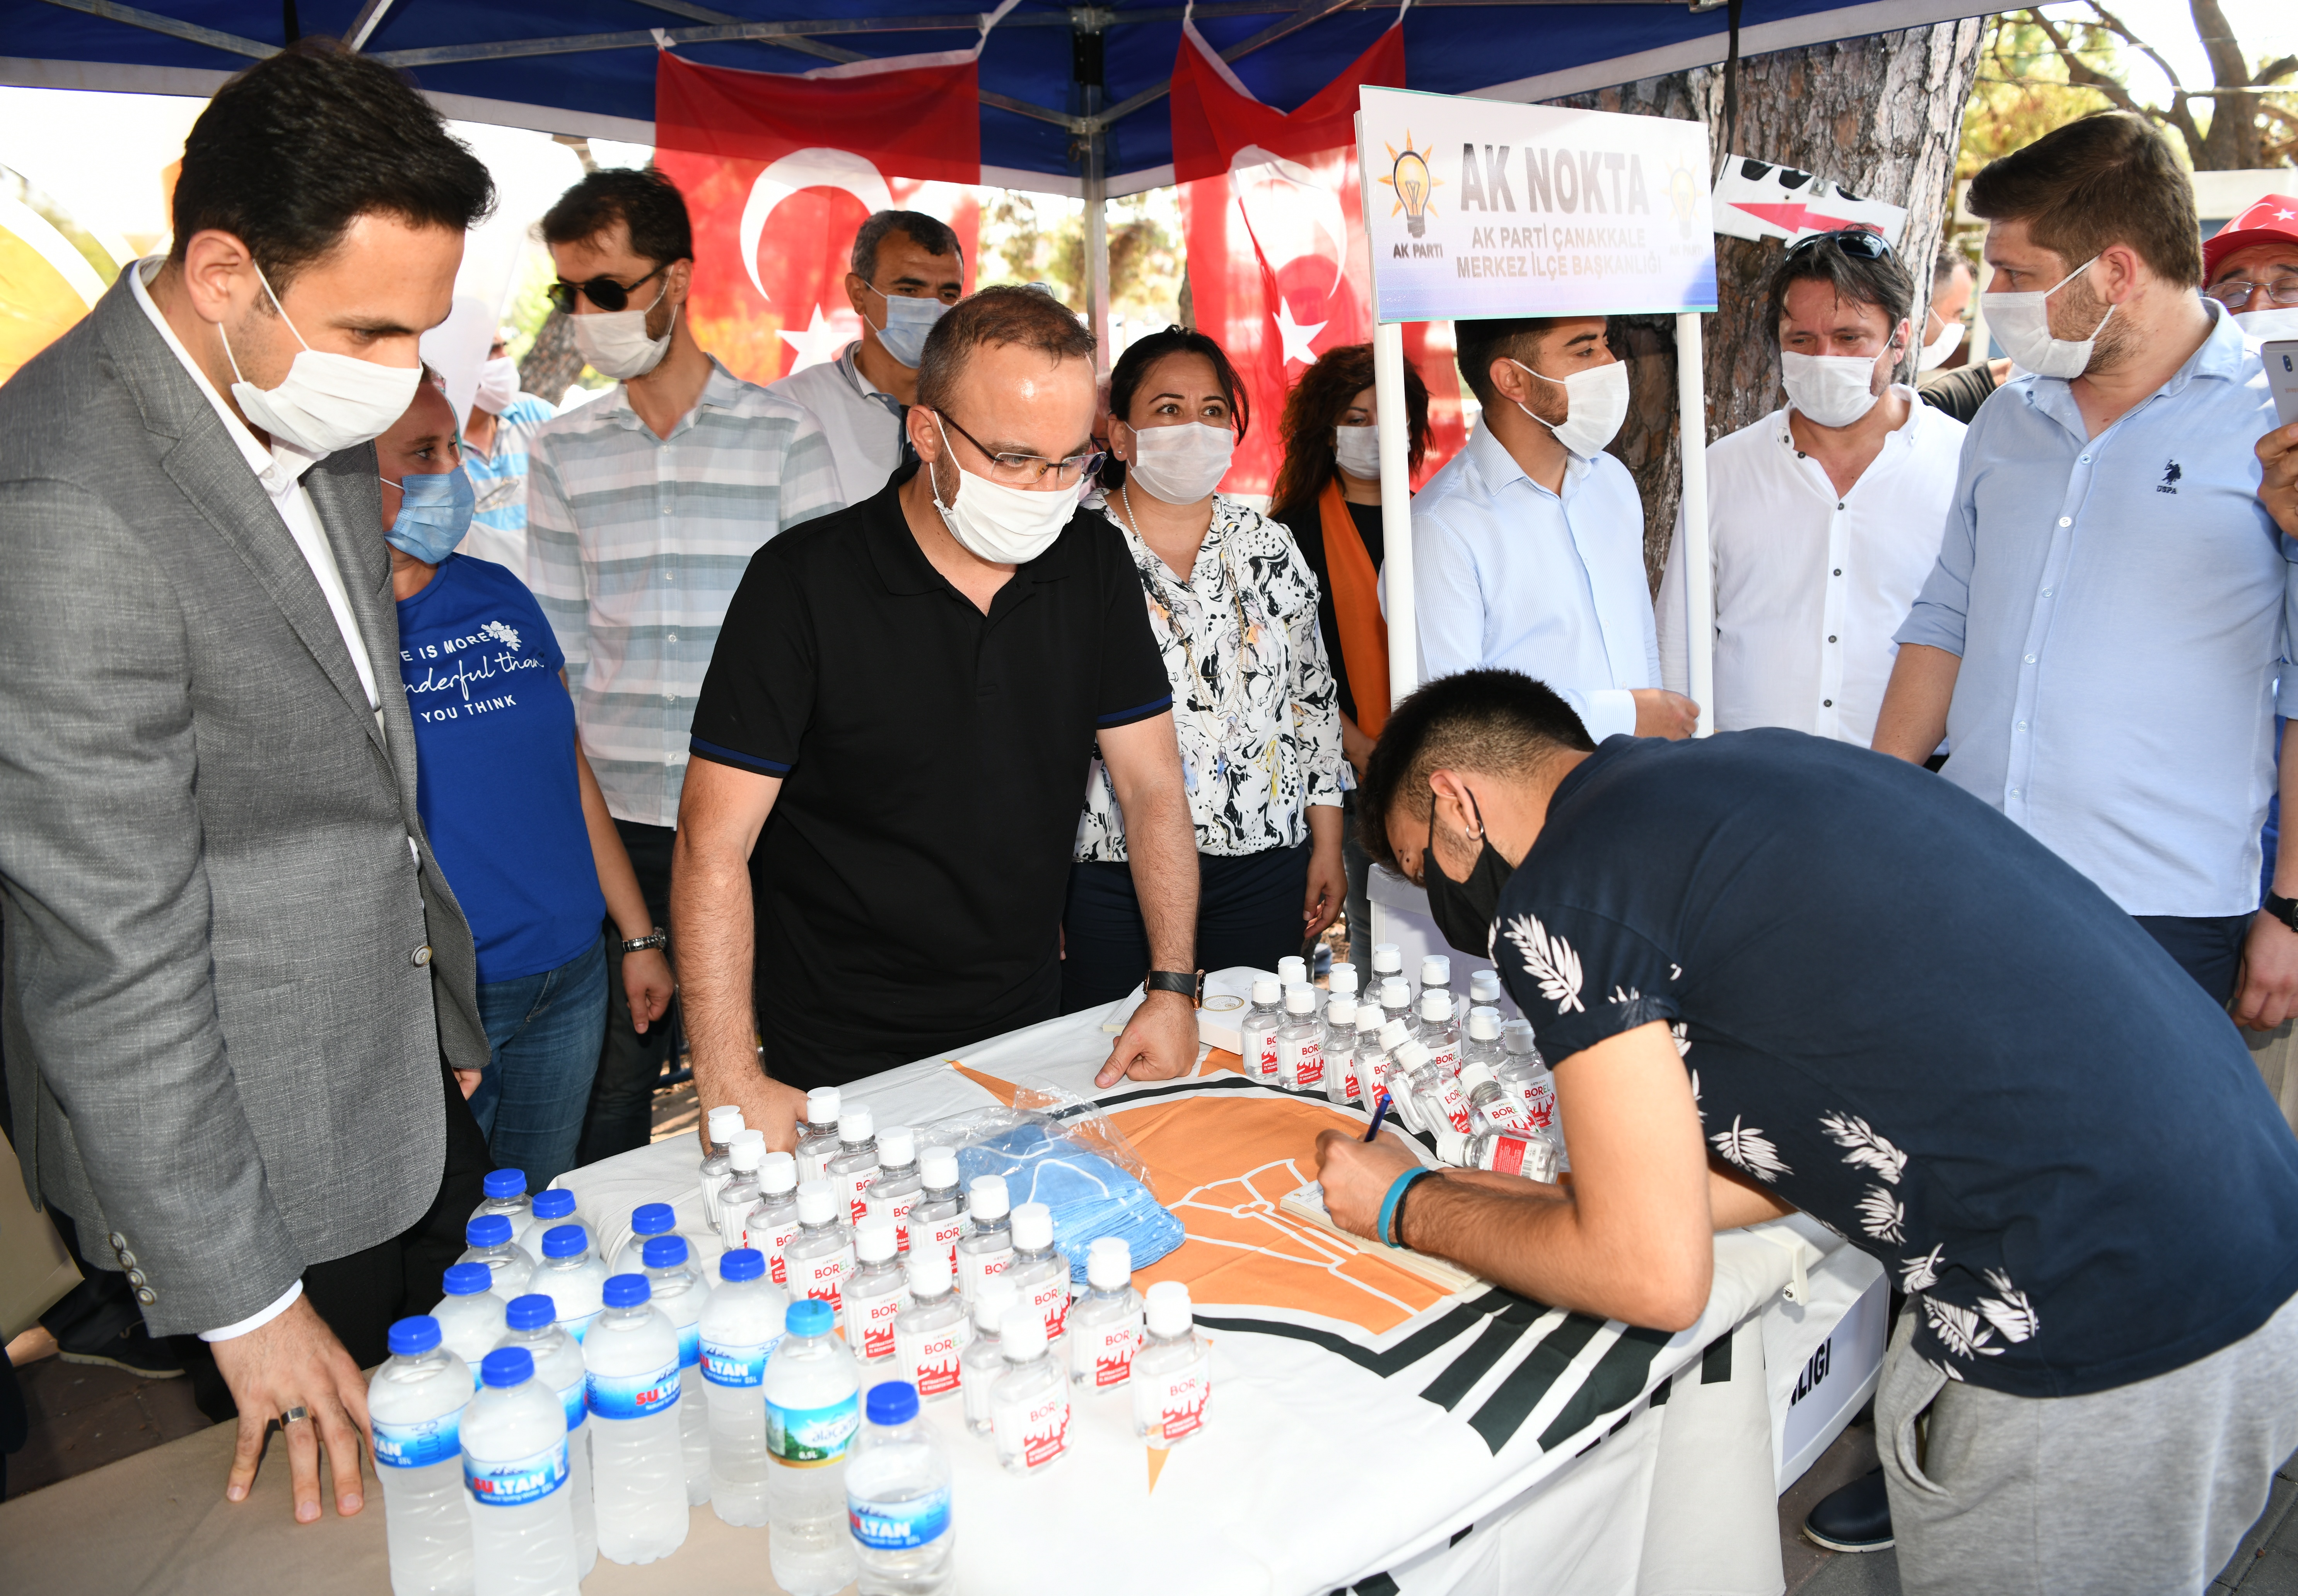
642, 509
899, 723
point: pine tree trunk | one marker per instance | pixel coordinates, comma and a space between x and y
1881, 116
552, 365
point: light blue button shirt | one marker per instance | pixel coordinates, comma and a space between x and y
1506, 574
2120, 606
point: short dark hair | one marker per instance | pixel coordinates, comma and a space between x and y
1942, 269
294, 150
1881, 283
1476, 344
934, 237
1005, 314
1315, 408
1502, 722
2108, 178
645, 201
1125, 379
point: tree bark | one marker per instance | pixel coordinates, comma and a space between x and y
1881, 116
552, 365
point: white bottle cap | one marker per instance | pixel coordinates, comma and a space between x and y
1033, 1226
1392, 1034
1168, 1308
1268, 994
1473, 1075
938, 1167
991, 1298
1108, 1264
1300, 1000
816, 1202
897, 1144
1436, 1004
873, 1239
1435, 970
987, 1197
1394, 994
1344, 978
778, 1175
1021, 1334
748, 1151
821, 1106
1516, 1036
1387, 959
1485, 986
1370, 1018
855, 1125
928, 1273
1452, 1147
1342, 1010
724, 1120
1411, 1053
1293, 969
1484, 1024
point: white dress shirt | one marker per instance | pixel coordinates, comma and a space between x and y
1506, 574
862, 421
1811, 585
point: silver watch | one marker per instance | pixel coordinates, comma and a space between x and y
660, 938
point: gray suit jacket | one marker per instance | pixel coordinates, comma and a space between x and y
223, 1038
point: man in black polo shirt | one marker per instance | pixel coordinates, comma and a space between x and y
914, 690
1776, 970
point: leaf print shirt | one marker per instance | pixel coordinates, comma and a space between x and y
1916, 1022
1253, 701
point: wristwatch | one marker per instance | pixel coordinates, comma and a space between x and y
2284, 910
1190, 984
638, 944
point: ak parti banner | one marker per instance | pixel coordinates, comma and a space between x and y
1273, 220
779, 173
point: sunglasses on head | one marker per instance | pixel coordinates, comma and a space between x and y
605, 293
1861, 242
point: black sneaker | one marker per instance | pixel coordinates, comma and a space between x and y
1856, 1518
132, 1350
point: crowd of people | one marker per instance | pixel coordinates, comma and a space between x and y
936, 689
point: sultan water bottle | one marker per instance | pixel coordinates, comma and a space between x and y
741, 1325
1339, 1047
818, 1144
648, 1220
1029, 1404
508, 1266
897, 1499
723, 1122
814, 1407
515, 1478
1257, 1031
986, 1248
855, 1163
1105, 1323
938, 1220
876, 1292
898, 1184
931, 1331
570, 1277
1300, 1062
559, 1367
470, 1316
819, 1261
1040, 1273
1172, 1373
638, 1473
552, 1207
677, 1292
415, 1405
506, 1194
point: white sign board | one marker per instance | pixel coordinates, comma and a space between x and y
1756, 199
1480, 208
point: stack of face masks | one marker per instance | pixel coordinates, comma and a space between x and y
1091, 1195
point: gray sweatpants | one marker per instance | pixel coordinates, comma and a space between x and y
2143, 1490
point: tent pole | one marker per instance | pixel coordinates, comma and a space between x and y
1096, 250
1698, 571
1396, 509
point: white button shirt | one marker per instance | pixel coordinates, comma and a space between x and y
1506, 574
1811, 586
862, 421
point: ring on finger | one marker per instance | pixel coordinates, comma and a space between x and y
298, 1414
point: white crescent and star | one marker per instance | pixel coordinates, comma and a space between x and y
1287, 194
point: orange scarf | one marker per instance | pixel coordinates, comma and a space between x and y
1356, 610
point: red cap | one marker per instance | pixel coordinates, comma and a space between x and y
2274, 219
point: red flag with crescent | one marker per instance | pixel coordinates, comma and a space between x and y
779, 173
1279, 269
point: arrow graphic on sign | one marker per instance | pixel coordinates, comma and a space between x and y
1799, 217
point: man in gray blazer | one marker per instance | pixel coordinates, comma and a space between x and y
234, 970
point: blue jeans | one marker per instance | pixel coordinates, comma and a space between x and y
544, 1032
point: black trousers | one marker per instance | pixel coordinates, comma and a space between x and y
1248, 913
621, 1116
2207, 947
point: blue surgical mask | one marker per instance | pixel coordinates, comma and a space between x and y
908, 320
435, 512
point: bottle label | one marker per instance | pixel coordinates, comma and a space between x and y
812, 1163
1350, 1088
576, 1399
420, 1444
1036, 1431
1051, 1299
1454, 1103
633, 1395
1300, 1064
1445, 1056
932, 1358
690, 1344
1539, 1102
1504, 1109
858, 1189
898, 1208
812, 1437
736, 1363
869, 1325
824, 1279
578, 1327
973, 1268
515, 1482
899, 1526
1171, 1407
1105, 1355
1508, 1154
944, 1236
770, 1238
731, 1218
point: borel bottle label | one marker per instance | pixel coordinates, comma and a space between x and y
770, 1240
1300, 1064
1111, 1350
1051, 1298
1037, 1432
930, 1359
1172, 1407
825, 1278
870, 1327
899, 1210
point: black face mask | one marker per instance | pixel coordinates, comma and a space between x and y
1466, 911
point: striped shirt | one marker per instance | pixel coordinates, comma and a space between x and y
637, 544
498, 483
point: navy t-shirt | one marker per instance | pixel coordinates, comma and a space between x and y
495, 774
1919, 1025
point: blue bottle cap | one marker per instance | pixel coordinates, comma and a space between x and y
808, 1317
508, 1366
489, 1229
652, 1218
665, 1252
564, 1241
530, 1312
556, 1202
469, 1279
895, 1402
503, 1183
625, 1291
743, 1263
410, 1336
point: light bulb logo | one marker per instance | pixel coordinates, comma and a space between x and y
1411, 180
1683, 198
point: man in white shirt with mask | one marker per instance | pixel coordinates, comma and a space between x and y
498, 439
1528, 546
908, 270
1825, 517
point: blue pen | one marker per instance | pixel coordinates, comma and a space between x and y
1379, 1112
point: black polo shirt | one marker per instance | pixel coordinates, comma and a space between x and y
909, 884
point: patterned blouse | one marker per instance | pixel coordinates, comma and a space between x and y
1253, 700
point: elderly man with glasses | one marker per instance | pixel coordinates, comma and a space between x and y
893, 739
2250, 265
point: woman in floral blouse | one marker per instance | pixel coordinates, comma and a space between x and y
1234, 608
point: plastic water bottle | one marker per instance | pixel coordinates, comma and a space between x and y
814, 1407
741, 1325
1341, 982
1526, 1072
1173, 1371
1257, 1031
1390, 1073
1437, 1033
678, 1294
1039, 1272
772, 1222
1484, 990
415, 1404
508, 1263
470, 1316
570, 1277
818, 1145
1532, 1156
986, 1248
817, 1264
1395, 1001
506, 1194
1293, 970
876, 1292
983, 1360
721, 1126
855, 1163
637, 1469
515, 1478
931, 1330
648, 1220
1387, 965
898, 1184
559, 1367
1300, 1060
1436, 1097
552, 1207
1339, 1047
898, 1500
1481, 1044
938, 1220
1105, 1322
1437, 975
1370, 1061
1029, 1404
746, 1155
1492, 1107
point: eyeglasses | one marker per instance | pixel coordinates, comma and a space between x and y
1861, 242
1026, 471
2235, 292
605, 293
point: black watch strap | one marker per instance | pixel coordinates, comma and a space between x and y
1190, 984
2284, 910
660, 938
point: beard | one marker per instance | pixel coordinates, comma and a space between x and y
2079, 314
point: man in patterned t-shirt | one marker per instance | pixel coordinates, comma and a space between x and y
1772, 972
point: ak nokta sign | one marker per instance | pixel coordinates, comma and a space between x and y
1482, 208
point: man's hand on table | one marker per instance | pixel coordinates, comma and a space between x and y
295, 1361
1356, 1176
1159, 1043
767, 1104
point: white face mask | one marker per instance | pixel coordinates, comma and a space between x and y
1596, 402
1180, 465
498, 386
908, 320
328, 402
615, 342
2021, 324
1358, 449
1831, 390
1935, 353
2281, 322
1005, 526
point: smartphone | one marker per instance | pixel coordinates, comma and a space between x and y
2281, 357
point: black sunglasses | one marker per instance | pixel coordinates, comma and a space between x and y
605, 293
1861, 242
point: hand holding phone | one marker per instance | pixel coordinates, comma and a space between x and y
2281, 357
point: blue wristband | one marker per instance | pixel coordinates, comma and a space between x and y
1385, 1226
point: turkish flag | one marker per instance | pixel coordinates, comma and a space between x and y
780, 172
1279, 269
